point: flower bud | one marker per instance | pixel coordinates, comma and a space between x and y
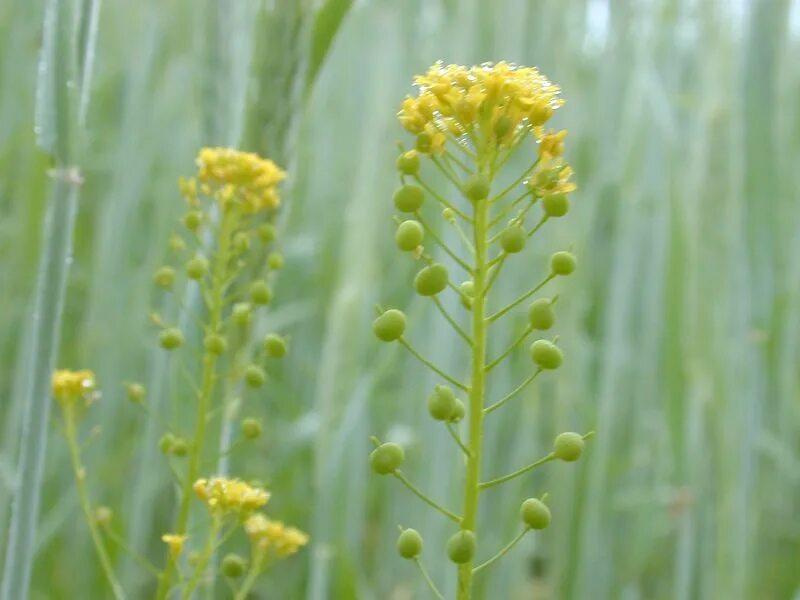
274, 346
176, 243
164, 278
179, 447
512, 239
390, 325
461, 546
409, 198
546, 354
242, 313
502, 126
423, 143
409, 543
408, 163
555, 205
449, 215
135, 391
166, 443
535, 513
275, 261
458, 412
409, 235
251, 428
233, 566
197, 267
568, 446
267, 232
215, 343
241, 242
431, 280
476, 187
254, 376
467, 289
386, 458
563, 263
442, 403
171, 338
260, 292
192, 220
540, 314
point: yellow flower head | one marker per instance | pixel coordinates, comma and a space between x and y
175, 543
266, 533
230, 495
68, 386
235, 176
552, 177
496, 99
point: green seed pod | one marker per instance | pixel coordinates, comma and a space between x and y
408, 163
535, 513
386, 458
409, 543
260, 292
176, 243
251, 428
423, 143
180, 447
461, 546
546, 354
568, 446
449, 215
166, 443
254, 376
409, 235
541, 314
164, 278
467, 290
215, 343
275, 261
555, 205
171, 338
458, 412
502, 126
233, 566
192, 220
390, 325
409, 198
242, 313
135, 391
267, 232
274, 346
563, 263
476, 187
512, 240
197, 267
241, 242
442, 403
431, 280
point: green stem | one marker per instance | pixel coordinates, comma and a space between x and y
519, 300
457, 438
427, 500
442, 200
510, 349
517, 473
205, 556
432, 366
80, 482
428, 579
464, 335
512, 393
502, 552
442, 244
252, 576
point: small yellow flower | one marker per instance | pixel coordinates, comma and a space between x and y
551, 178
230, 495
175, 543
552, 145
266, 533
69, 386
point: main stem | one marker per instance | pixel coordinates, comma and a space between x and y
216, 299
476, 391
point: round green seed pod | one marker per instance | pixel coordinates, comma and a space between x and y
197, 267
164, 278
535, 513
166, 443
467, 289
386, 458
449, 215
260, 293
431, 280
390, 325
171, 338
135, 391
274, 345
502, 126
546, 354
458, 412
192, 220
408, 162
541, 314
180, 447
409, 235
233, 566
441, 403
476, 187
555, 205
512, 240
409, 198
568, 446
250, 428
563, 263
267, 233
241, 242
242, 313
254, 376
409, 543
423, 143
461, 546
215, 343
275, 261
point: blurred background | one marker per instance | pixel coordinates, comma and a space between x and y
681, 327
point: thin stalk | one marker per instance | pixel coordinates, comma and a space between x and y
518, 472
442, 200
461, 263
457, 438
520, 299
432, 366
464, 335
252, 576
502, 552
528, 380
205, 556
425, 498
510, 349
428, 579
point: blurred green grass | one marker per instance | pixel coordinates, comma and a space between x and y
681, 327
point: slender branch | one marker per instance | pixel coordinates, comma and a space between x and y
514, 183
510, 349
519, 300
510, 207
432, 366
252, 576
442, 200
512, 393
452, 321
502, 552
449, 156
541, 222
141, 560
517, 473
464, 238
461, 263
422, 496
428, 580
447, 173
495, 271
457, 438
202, 562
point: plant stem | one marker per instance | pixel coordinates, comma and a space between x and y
422, 496
517, 473
502, 552
252, 575
205, 556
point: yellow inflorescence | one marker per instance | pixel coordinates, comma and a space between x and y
175, 543
497, 99
266, 533
232, 175
70, 385
230, 495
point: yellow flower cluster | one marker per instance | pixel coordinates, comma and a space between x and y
175, 543
233, 175
497, 99
70, 385
266, 533
230, 495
